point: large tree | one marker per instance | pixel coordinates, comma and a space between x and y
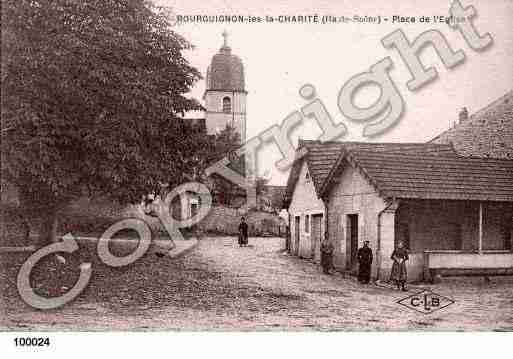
92, 91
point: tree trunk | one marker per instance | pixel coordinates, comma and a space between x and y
48, 229
40, 208
25, 222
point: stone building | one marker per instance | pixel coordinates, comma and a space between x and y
307, 211
450, 200
454, 213
225, 93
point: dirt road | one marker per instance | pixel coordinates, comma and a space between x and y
219, 286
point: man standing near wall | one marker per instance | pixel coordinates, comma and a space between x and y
365, 262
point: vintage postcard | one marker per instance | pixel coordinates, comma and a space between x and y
249, 166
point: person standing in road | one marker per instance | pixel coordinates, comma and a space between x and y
243, 232
326, 256
399, 273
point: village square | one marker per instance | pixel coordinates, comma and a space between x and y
357, 236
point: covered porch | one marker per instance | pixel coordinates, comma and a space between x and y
449, 237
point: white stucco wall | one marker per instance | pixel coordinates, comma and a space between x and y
304, 202
470, 260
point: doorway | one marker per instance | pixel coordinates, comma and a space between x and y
296, 235
316, 236
194, 209
351, 241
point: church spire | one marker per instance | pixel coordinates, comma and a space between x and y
225, 48
225, 36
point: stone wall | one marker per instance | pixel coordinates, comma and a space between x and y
87, 217
354, 195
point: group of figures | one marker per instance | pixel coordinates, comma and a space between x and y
364, 256
398, 274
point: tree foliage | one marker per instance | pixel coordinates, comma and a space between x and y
261, 183
91, 95
224, 144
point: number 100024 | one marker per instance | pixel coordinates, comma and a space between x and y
32, 342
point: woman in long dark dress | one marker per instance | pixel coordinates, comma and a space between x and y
327, 256
399, 273
243, 232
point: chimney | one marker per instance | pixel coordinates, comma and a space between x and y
463, 115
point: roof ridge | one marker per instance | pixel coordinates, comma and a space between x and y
453, 155
478, 114
419, 144
493, 103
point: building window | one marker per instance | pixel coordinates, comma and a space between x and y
227, 105
307, 223
194, 209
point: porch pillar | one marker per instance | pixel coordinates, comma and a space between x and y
385, 240
480, 240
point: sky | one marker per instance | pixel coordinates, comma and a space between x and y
280, 58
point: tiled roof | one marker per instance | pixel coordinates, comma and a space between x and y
487, 133
226, 72
321, 157
408, 170
435, 176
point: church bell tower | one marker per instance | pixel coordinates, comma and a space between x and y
225, 93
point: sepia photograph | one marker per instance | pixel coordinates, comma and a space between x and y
248, 168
